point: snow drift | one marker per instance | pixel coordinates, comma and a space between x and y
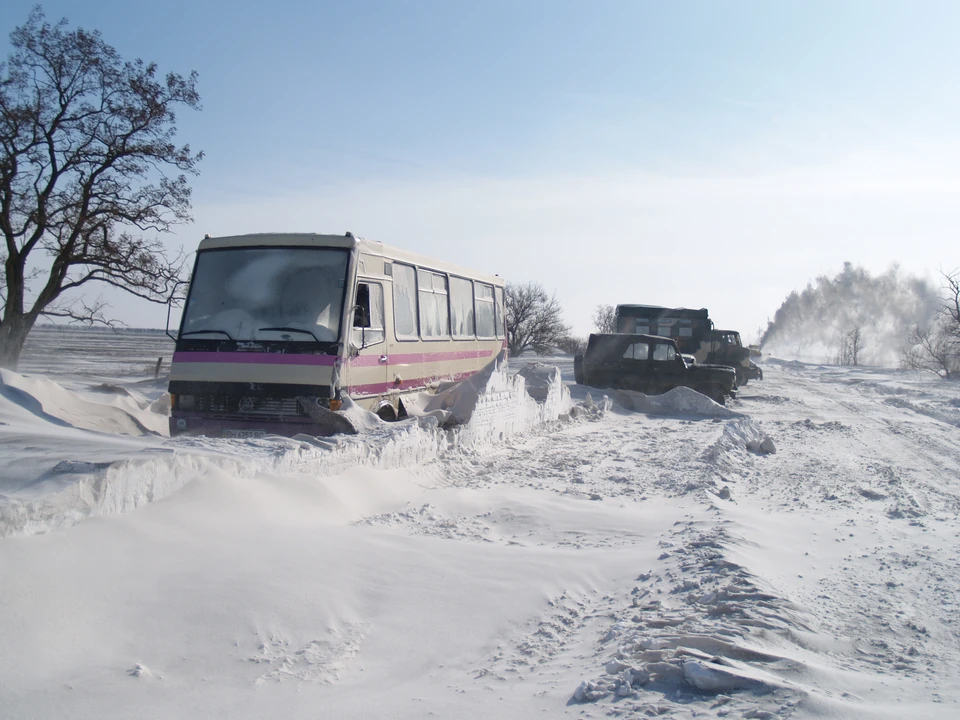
55, 491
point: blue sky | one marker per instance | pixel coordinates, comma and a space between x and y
715, 154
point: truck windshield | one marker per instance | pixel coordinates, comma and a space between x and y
277, 294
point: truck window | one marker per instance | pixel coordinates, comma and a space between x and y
637, 351
664, 353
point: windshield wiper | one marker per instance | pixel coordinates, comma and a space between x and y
290, 329
200, 332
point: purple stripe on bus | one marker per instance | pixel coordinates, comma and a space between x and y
415, 358
326, 360
258, 358
357, 391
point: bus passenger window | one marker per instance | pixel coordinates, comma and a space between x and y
368, 315
501, 318
405, 301
483, 296
434, 309
461, 307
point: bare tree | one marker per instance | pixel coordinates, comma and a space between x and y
851, 346
571, 345
936, 348
605, 319
950, 312
931, 349
534, 319
90, 177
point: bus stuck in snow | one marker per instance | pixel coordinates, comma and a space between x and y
278, 329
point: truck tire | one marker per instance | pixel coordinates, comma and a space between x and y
578, 369
714, 392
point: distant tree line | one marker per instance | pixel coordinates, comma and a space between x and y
535, 322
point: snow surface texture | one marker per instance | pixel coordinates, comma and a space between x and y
794, 559
475, 412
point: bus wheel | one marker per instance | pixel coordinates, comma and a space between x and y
387, 413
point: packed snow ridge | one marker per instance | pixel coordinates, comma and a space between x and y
487, 408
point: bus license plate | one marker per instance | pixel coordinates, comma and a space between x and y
235, 433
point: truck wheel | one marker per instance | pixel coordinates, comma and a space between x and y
714, 392
578, 369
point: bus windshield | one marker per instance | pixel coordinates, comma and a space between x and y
276, 294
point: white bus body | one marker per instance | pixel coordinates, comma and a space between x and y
278, 327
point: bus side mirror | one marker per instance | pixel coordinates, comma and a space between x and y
171, 301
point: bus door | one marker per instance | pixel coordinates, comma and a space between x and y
368, 347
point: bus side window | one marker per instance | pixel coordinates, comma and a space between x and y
461, 308
368, 315
501, 319
483, 300
434, 304
405, 302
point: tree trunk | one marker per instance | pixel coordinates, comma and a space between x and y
13, 334
15, 324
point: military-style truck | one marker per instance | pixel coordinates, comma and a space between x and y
650, 364
695, 335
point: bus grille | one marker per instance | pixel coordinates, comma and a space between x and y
248, 406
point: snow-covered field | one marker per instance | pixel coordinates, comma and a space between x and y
792, 555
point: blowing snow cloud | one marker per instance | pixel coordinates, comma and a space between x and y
813, 323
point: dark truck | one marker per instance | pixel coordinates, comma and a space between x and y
695, 335
649, 364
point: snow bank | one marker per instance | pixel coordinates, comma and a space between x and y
678, 401
121, 412
468, 415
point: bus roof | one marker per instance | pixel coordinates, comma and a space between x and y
343, 241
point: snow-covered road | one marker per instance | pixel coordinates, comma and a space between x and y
612, 564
